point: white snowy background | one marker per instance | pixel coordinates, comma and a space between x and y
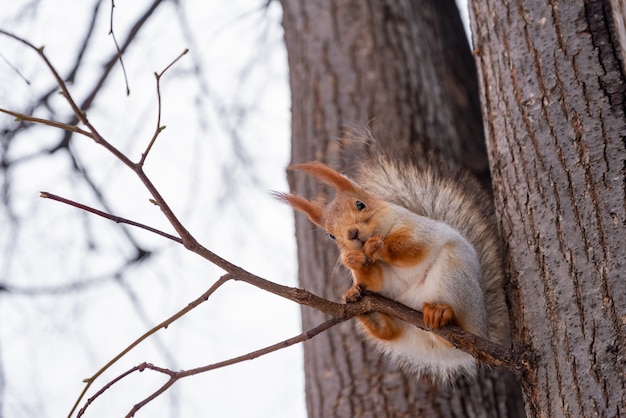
70, 296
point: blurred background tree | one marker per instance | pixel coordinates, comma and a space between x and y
76, 289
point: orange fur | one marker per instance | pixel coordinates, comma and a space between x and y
366, 275
312, 210
397, 249
326, 174
380, 325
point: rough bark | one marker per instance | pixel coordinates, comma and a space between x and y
552, 90
404, 69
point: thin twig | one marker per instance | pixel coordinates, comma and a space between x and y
119, 51
26, 118
159, 128
192, 305
299, 296
175, 376
496, 355
188, 240
75, 109
116, 219
104, 388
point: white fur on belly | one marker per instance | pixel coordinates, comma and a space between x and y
426, 354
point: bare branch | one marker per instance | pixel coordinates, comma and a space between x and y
104, 388
192, 305
482, 350
117, 47
116, 219
188, 240
175, 376
82, 117
19, 117
159, 128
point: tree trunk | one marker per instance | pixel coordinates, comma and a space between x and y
404, 69
552, 90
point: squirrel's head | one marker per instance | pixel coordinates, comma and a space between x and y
351, 217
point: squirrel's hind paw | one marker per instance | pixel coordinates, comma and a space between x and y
437, 315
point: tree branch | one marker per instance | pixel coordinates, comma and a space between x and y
483, 350
159, 128
175, 376
117, 47
116, 219
19, 117
192, 305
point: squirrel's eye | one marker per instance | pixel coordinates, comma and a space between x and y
360, 205
331, 236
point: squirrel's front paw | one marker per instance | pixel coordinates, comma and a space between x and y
354, 294
372, 245
437, 315
355, 259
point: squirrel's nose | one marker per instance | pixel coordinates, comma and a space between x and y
353, 234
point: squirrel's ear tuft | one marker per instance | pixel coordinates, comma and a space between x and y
327, 175
313, 210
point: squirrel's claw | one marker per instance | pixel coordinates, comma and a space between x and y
354, 294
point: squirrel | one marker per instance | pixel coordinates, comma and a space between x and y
420, 230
